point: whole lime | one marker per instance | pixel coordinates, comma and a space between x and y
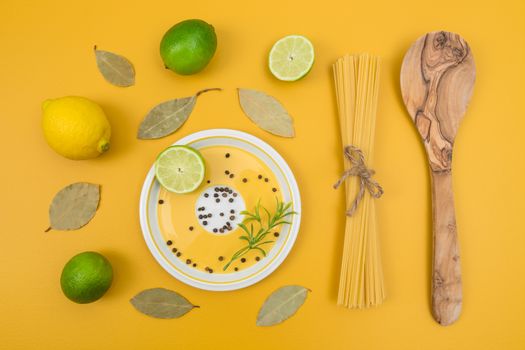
86, 277
188, 46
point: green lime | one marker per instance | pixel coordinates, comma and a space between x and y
180, 169
86, 277
188, 46
291, 58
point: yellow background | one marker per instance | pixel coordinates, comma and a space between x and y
46, 51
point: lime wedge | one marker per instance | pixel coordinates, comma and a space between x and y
180, 169
291, 58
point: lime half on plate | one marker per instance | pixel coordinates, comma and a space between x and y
180, 169
291, 58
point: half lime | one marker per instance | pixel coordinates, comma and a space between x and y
291, 58
180, 169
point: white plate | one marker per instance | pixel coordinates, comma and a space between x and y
235, 280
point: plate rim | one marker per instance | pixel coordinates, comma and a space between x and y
267, 270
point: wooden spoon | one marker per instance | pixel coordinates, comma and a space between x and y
437, 79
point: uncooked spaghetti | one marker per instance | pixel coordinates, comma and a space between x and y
357, 85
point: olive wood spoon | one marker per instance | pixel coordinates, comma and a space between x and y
437, 79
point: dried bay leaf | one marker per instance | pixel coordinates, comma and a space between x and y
165, 118
265, 111
74, 206
161, 303
281, 305
116, 69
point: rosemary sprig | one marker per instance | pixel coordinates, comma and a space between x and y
255, 239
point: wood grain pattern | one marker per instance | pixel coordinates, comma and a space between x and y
437, 80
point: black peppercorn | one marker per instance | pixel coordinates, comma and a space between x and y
231, 176
230, 200
274, 189
259, 177
236, 269
205, 222
179, 254
206, 195
161, 201
245, 180
169, 242
221, 258
265, 179
232, 217
276, 234
191, 228
227, 155
227, 172
217, 200
257, 258
188, 261
243, 260
232, 211
174, 250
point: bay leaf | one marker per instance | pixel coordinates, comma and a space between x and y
265, 111
281, 305
161, 303
165, 118
116, 69
74, 206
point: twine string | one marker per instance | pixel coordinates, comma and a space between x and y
366, 182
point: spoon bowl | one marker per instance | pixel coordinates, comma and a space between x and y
437, 80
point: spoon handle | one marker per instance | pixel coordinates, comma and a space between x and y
446, 271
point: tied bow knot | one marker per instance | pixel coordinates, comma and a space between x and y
357, 160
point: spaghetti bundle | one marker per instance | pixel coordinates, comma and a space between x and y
357, 85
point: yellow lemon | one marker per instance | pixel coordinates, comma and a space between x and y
75, 127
